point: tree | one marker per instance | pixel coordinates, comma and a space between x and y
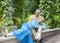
50, 9
22, 9
6, 11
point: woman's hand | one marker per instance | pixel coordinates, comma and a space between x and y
41, 19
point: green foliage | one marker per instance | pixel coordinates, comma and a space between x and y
5, 13
31, 6
22, 9
50, 9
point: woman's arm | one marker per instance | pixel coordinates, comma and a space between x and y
35, 23
43, 26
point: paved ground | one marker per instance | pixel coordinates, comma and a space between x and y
53, 39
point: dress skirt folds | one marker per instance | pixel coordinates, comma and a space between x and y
24, 34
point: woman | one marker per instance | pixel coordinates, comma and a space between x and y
24, 33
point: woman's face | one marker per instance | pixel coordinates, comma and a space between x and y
37, 12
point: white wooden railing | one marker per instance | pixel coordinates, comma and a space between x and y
45, 34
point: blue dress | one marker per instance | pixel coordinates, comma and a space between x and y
24, 34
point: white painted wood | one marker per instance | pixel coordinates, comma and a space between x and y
45, 33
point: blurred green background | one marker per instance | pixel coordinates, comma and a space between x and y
15, 12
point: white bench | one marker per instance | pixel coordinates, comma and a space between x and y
45, 33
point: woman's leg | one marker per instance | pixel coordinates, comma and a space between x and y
33, 32
38, 34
